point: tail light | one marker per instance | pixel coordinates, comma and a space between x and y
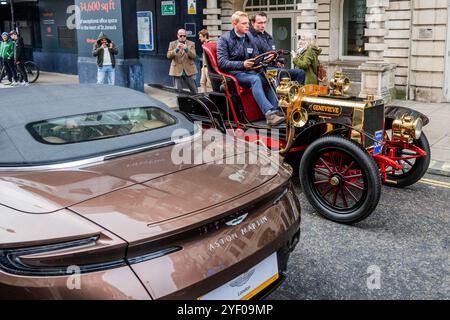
95, 253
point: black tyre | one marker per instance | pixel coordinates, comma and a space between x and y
340, 179
32, 71
414, 165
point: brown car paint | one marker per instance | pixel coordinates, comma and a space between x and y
144, 203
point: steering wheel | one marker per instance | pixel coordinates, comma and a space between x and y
264, 59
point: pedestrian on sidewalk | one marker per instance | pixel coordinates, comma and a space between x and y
183, 69
7, 57
106, 52
2, 68
205, 82
308, 59
19, 57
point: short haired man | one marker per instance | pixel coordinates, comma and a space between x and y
235, 52
265, 43
183, 68
205, 82
19, 57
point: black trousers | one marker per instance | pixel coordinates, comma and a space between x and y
188, 81
21, 71
10, 69
2, 70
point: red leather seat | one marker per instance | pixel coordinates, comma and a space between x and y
251, 109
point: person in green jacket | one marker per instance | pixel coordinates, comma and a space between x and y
308, 59
7, 57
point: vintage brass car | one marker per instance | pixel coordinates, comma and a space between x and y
343, 147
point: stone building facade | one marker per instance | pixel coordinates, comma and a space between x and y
387, 48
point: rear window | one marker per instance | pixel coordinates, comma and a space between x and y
100, 125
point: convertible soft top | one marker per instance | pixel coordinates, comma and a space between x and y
24, 105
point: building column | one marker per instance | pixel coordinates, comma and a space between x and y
377, 75
117, 19
212, 21
227, 12
308, 19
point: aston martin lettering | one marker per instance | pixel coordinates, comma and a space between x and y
326, 109
252, 227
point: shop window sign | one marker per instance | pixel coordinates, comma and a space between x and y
191, 30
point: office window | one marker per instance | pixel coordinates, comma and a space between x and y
354, 22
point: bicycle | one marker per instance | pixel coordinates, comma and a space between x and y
32, 71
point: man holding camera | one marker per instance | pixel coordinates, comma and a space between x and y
105, 51
183, 68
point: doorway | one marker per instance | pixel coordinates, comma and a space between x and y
282, 28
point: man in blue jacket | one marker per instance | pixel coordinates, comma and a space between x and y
264, 42
235, 52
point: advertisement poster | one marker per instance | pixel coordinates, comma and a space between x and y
99, 16
192, 6
145, 30
48, 21
53, 19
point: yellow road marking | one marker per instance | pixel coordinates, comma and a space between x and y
435, 183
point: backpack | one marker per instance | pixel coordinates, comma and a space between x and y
321, 73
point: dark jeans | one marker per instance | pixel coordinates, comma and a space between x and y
10, 69
21, 71
188, 81
295, 75
267, 102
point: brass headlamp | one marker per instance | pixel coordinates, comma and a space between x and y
290, 94
407, 128
339, 84
287, 92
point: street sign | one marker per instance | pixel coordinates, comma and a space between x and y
168, 8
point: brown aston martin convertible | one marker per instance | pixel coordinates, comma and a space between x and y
92, 205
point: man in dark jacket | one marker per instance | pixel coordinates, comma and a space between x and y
265, 43
106, 52
235, 52
19, 57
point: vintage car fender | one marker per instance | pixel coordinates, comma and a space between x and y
396, 112
304, 137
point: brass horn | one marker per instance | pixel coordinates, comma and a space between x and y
299, 117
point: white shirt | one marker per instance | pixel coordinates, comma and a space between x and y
106, 57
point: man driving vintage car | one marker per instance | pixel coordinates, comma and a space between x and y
236, 51
265, 43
